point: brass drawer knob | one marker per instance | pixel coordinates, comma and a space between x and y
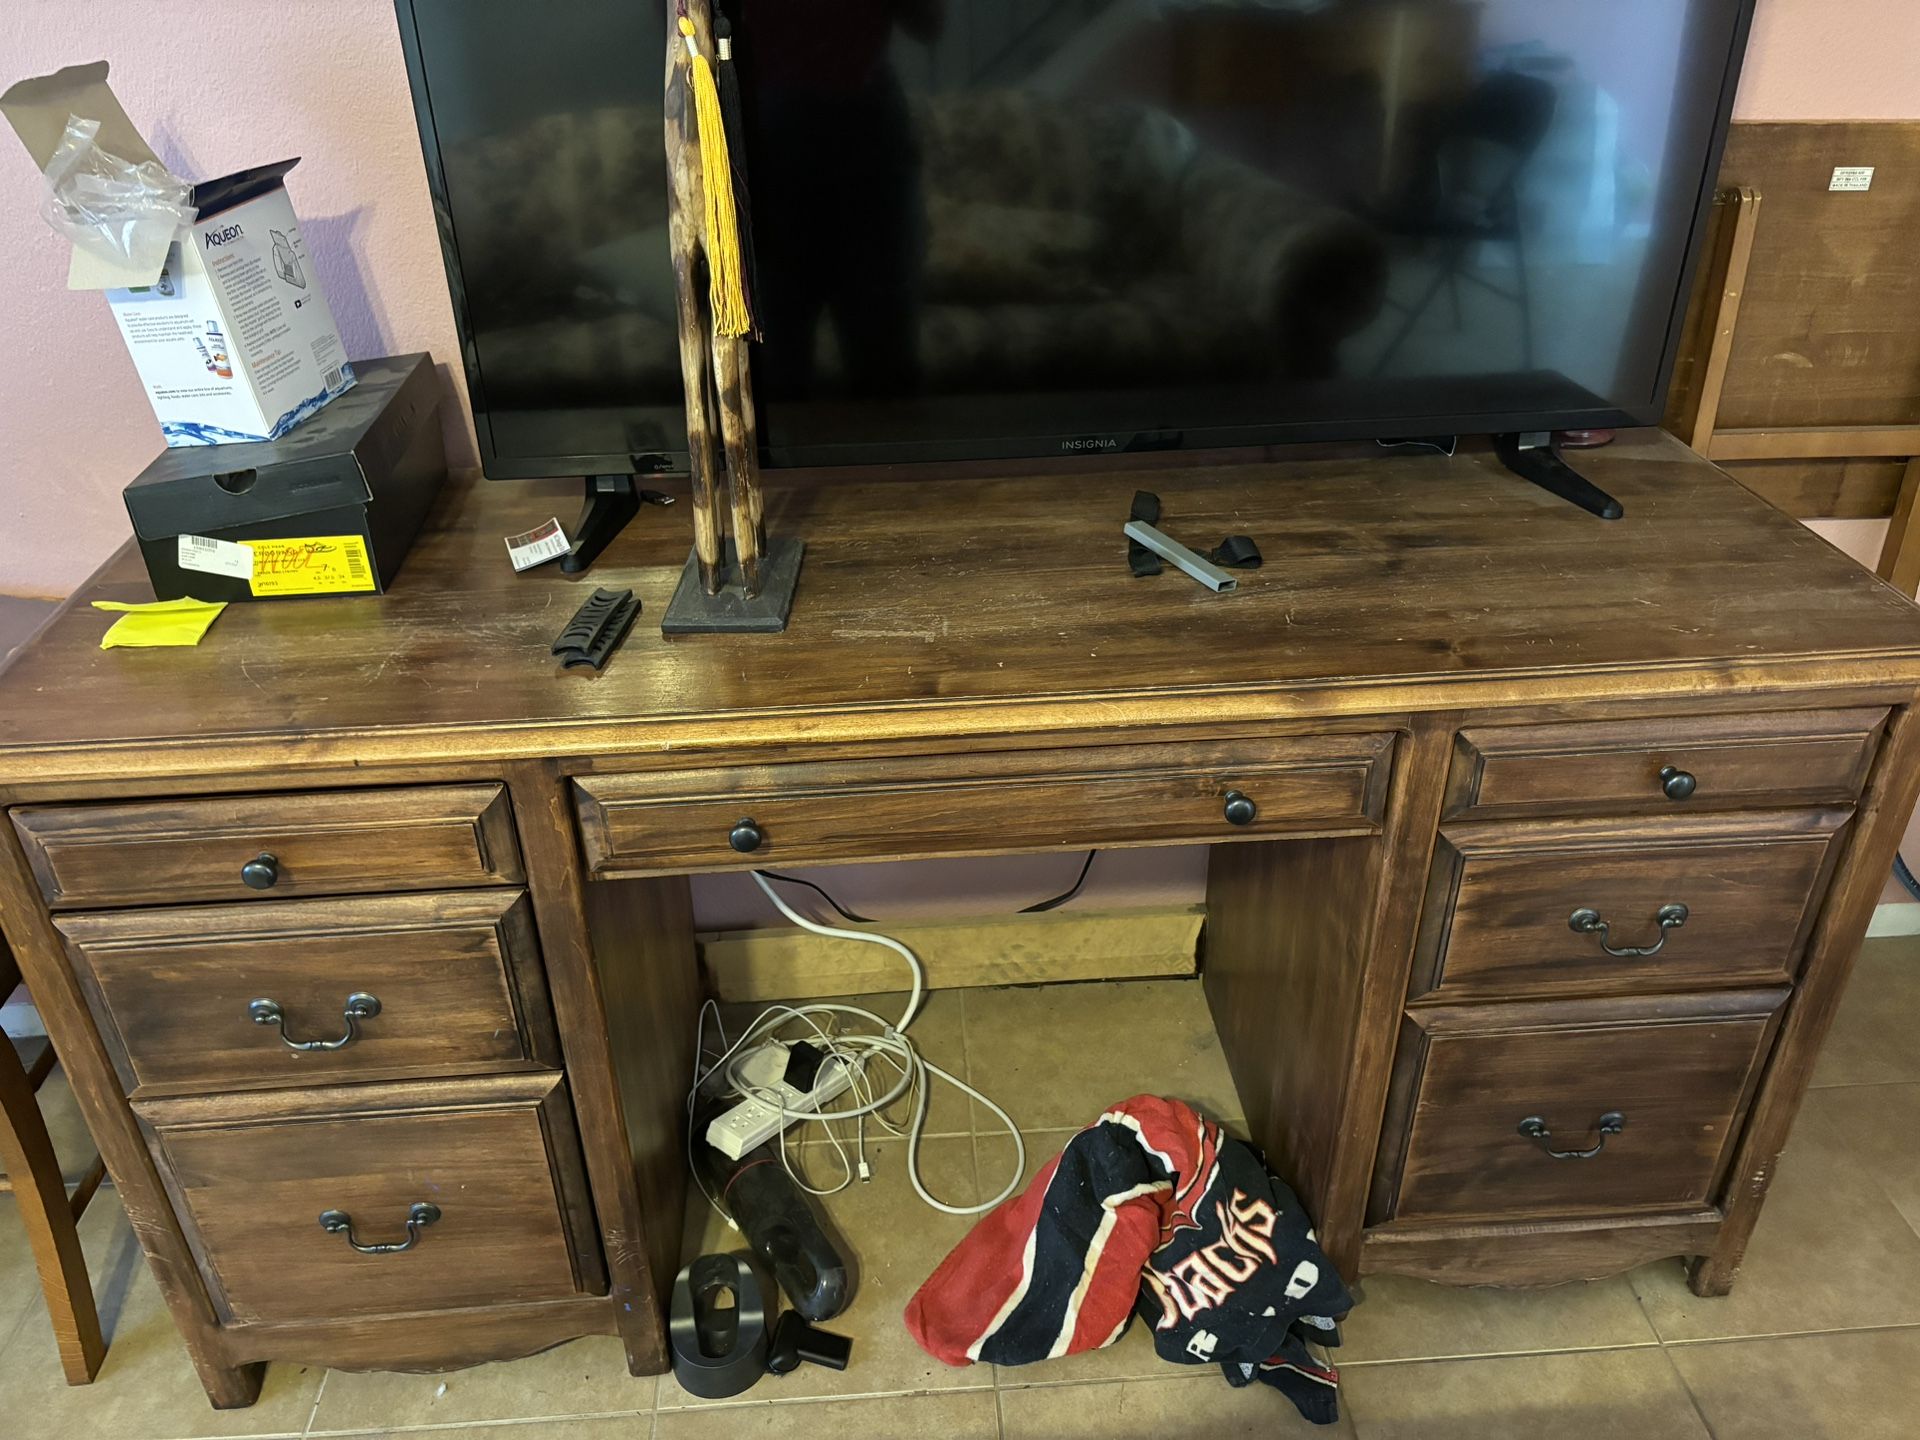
746, 837
360, 1006
1535, 1129
1588, 922
1677, 784
1240, 808
419, 1216
261, 873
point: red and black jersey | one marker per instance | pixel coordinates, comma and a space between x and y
1149, 1210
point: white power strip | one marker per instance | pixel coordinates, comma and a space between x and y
753, 1121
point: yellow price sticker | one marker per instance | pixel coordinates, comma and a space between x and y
311, 565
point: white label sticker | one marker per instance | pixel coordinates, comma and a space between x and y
539, 545
1852, 177
216, 557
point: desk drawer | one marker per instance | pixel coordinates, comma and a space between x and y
323, 842
456, 977
1809, 757
499, 1159
984, 803
1676, 1073
1721, 899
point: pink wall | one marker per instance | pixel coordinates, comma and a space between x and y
1832, 60
213, 87
217, 86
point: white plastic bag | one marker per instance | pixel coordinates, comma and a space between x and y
122, 212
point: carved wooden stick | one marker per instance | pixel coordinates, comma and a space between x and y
743, 464
751, 420
685, 223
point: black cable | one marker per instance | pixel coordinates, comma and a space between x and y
845, 914
1059, 900
1904, 875
839, 909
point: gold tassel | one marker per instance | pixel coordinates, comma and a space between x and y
727, 288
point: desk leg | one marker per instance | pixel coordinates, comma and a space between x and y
1831, 951
626, 993
56, 994
1309, 943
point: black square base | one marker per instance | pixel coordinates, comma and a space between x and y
694, 612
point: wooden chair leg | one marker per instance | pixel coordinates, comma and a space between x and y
27, 1154
1900, 556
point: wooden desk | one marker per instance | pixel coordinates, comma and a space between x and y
1463, 710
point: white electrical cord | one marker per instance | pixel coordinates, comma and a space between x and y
855, 1051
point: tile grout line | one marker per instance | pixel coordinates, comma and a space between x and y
973, 1124
313, 1413
791, 1402
10, 1335
1853, 1154
432, 1427
1639, 1300
1346, 1364
1791, 1335
1692, 1399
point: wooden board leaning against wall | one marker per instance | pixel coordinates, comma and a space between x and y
1800, 366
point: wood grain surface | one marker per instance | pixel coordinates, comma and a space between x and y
498, 1157
1501, 898
458, 977
982, 804
970, 666
987, 607
1803, 757
1679, 1071
1829, 329
343, 842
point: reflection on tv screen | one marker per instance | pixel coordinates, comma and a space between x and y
991, 228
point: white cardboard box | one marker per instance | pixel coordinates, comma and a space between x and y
233, 338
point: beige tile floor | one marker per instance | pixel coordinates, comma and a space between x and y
1821, 1338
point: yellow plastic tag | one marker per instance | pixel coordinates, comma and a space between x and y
313, 565
159, 622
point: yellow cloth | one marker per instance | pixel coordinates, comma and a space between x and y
161, 622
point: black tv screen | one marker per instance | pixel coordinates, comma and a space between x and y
999, 228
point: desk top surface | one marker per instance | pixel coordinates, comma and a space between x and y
989, 606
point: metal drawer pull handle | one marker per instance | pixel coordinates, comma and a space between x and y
360, 1006
1240, 809
1588, 922
1534, 1128
421, 1215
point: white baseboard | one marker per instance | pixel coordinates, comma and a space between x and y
18, 1017
788, 963
1895, 917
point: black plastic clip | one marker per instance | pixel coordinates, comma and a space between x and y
597, 629
794, 1341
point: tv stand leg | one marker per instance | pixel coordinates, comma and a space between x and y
612, 500
1533, 457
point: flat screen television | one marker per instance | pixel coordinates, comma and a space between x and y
1005, 228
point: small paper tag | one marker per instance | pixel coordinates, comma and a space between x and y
216, 557
539, 545
1852, 177
311, 565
